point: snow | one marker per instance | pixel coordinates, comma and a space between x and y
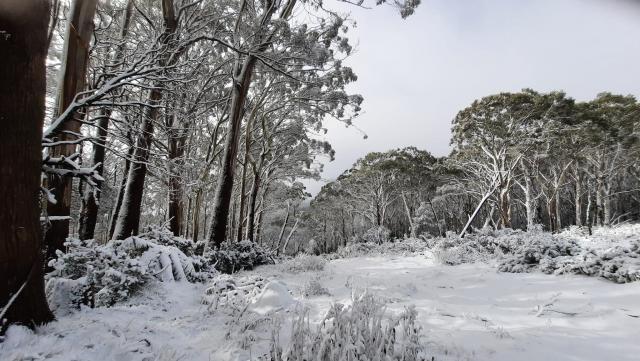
274, 297
467, 312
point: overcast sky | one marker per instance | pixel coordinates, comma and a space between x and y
416, 74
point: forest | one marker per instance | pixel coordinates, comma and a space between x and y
154, 156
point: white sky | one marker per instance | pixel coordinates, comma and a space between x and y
416, 74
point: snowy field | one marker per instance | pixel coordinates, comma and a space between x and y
467, 312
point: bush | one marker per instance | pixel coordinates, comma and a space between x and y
303, 263
313, 287
237, 256
101, 275
528, 255
361, 331
232, 294
405, 247
378, 235
617, 264
518, 251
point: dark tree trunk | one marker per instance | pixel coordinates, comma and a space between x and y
89, 217
176, 191
22, 94
121, 189
224, 190
243, 178
251, 214
196, 215
241, 83
128, 221
72, 81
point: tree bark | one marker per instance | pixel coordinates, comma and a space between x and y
89, 217
578, 200
177, 139
284, 226
412, 230
23, 43
251, 212
224, 190
72, 81
123, 184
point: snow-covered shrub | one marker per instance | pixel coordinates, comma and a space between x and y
237, 256
162, 235
527, 255
303, 263
361, 331
378, 235
570, 252
101, 275
405, 247
521, 247
232, 294
313, 287
313, 247
617, 264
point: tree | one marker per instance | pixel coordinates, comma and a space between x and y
22, 91
63, 142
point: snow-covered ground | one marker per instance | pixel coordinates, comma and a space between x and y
468, 312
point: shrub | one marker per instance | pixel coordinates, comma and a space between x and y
237, 256
232, 294
101, 275
405, 247
313, 287
303, 263
378, 235
361, 331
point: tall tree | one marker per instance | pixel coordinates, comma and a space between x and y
23, 43
128, 221
64, 141
91, 198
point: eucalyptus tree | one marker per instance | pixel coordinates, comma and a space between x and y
62, 142
278, 41
609, 124
487, 138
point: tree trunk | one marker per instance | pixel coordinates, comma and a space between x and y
176, 192
558, 209
22, 97
284, 226
475, 213
529, 199
412, 230
251, 212
551, 211
578, 201
123, 184
505, 207
89, 217
196, 215
243, 177
224, 190
177, 139
72, 81
606, 204
293, 230
128, 221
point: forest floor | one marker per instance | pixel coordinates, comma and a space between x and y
467, 312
